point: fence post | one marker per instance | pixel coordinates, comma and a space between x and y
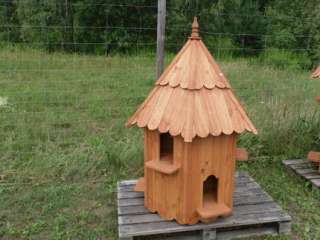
161, 36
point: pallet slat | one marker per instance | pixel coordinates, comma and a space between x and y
136, 210
239, 210
295, 161
306, 169
144, 229
140, 209
255, 214
238, 200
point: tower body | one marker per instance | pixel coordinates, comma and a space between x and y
191, 120
191, 182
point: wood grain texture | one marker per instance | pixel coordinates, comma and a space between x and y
315, 157
255, 214
306, 169
140, 186
188, 113
176, 190
193, 98
316, 73
191, 121
242, 154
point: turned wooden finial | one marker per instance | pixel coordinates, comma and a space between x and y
195, 29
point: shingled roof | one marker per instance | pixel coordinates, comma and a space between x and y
316, 73
193, 97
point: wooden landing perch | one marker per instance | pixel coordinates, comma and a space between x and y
315, 157
242, 154
255, 214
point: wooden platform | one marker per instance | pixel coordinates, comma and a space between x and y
306, 169
255, 214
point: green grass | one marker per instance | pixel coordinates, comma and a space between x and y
64, 146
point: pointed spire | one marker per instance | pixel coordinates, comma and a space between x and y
195, 29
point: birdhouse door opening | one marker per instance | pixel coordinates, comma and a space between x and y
166, 148
210, 192
210, 208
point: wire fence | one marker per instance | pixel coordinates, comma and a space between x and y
53, 100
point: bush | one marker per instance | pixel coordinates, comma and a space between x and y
221, 47
284, 59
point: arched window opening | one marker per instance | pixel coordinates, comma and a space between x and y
166, 147
210, 191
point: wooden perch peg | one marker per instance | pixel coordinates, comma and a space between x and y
242, 154
140, 186
314, 156
317, 98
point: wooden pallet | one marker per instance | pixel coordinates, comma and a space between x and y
306, 169
255, 214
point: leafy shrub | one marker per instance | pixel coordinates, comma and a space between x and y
284, 59
221, 47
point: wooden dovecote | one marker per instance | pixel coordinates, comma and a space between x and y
316, 73
313, 155
191, 121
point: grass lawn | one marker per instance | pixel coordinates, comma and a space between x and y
64, 145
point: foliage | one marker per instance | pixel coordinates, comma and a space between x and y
293, 25
111, 26
285, 59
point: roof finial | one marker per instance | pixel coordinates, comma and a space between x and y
195, 29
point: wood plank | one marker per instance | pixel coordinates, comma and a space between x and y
171, 227
255, 214
316, 182
248, 232
195, 235
312, 176
295, 161
126, 238
238, 210
140, 209
307, 165
306, 169
128, 183
228, 234
284, 227
129, 210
